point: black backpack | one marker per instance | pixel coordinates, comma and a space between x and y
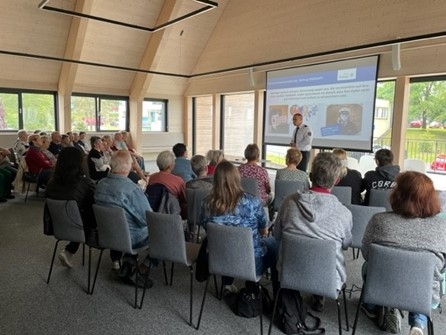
247, 303
293, 313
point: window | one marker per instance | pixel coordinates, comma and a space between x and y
382, 113
27, 110
203, 120
98, 113
154, 115
238, 122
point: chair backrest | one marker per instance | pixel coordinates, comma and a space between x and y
400, 278
250, 185
67, 220
309, 265
231, 251
195, 197
113, 231
414, 165
343, 193
361, 216
12, 156
380, 198
282, 188
166, 237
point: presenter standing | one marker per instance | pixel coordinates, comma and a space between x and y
302, 139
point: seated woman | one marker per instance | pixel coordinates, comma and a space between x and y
69, 182
291, 173
214, 157
251, 170
229, 205
349, 177
37, 162
45, 145
98, 166
413, 224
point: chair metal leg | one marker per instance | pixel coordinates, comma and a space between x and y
136, 285
191, 295
261, 309
165, 273
83, 254
274, 311
338, 303
96, 273
27, 191
171, 274
357, 313
146, 276
202, 303
52, 261
430, 326
216, 286
89, 268
345, 310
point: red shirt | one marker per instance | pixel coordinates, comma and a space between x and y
36, 160
261, 174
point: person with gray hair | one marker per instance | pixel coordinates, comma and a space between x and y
200, 168
118, 190
174, 184
21, 145
316, 213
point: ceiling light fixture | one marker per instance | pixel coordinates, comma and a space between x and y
208, 5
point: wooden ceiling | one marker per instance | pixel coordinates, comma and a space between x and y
39, 48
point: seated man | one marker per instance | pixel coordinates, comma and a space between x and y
200, 168
383, 178
98, 165
119, 191
174, 184
318, 214
182, 166
56, 143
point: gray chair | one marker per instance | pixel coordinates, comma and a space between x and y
400, 279
343, 193
113, 233
231, 254
194, 199
166, 243
309, 265
283, 188
67, 226
380, 198
250, 185
361, 216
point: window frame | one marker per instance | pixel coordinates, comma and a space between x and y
165, 116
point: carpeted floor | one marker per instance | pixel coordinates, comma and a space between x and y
29, 306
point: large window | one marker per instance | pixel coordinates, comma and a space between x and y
27, 110
154, 115
96, 113
238, 122
203, 120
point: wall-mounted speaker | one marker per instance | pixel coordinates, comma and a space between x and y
396, 57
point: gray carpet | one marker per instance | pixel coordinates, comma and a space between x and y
29, 306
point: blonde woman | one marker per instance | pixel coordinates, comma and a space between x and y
349, 177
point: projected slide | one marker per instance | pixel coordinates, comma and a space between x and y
336, 99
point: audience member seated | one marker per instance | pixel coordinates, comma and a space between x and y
317, 213
118, 190
107, 144
5, 162
37, 162
69, 182
139, 158
98, 166
291, 173
21, 145
229, 205
200, 168
45, 145
66, 141
383, 178
414, 225
214, 157
7, 176
56, 143
82, 142
349, 177
175, 185
251, 170
182, 166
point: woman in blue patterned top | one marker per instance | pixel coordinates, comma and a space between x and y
229, 205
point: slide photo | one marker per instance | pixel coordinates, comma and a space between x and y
278, 119
343, 119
